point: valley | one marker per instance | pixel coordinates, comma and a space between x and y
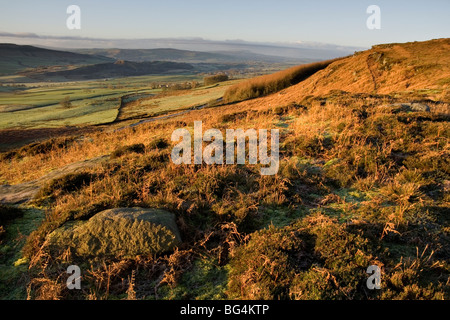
363, 178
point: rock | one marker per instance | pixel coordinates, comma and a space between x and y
17, 194
118, 233
20, 193
420, 107
408, 107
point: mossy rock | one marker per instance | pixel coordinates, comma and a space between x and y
118, 233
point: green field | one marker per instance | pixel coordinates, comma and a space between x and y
31, 105
157, 105
37, 105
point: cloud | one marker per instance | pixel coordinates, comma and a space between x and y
309, 50
18, 35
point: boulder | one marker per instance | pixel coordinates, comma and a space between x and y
418, 107
118, 233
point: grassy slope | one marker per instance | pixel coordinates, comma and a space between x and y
385, 69
268, 84
358, 185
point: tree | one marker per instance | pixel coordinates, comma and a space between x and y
66, 102
215, 79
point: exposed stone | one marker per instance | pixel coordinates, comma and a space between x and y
408, 107
119, 233
20, 193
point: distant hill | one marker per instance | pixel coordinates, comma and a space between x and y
394, 69
168, 54
385, 69
119, 68
17, 58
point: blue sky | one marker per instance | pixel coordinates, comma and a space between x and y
326, 21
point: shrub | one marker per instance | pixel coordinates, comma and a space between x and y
232, 116
158, 144
263, 268
210, 80
134, 148
316, 258
37, 148
65, 103
66, 184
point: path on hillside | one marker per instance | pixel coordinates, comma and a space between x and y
24, 192
372, 73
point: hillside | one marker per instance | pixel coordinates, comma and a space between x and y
363, 180
385, 69
168, 54
15, 58
119, 68
418, 68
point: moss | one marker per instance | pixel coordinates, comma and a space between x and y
204, 281
280, 216
13, 265
314, 284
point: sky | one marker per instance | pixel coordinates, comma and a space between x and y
323, 21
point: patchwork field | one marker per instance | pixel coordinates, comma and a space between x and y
144, 106
41, 105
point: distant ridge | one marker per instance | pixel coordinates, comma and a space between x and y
170, 54
15, 58
120, 68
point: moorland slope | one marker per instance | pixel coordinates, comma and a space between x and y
363, 180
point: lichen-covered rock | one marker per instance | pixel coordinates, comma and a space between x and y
118, 233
